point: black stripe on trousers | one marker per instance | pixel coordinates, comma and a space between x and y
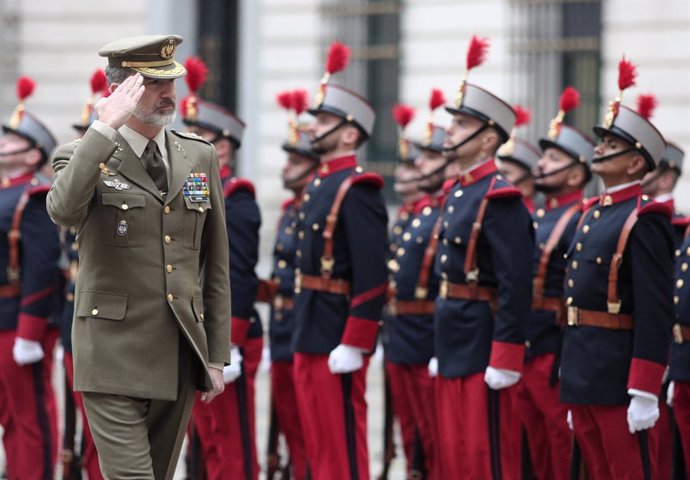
42, 415
493, 406
243, 412
350, 433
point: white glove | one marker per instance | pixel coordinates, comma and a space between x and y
234, 370
643, 411
669, 394
26, 351
345, 359
265, 365
433, 367
569, 419
498, 378
377, 357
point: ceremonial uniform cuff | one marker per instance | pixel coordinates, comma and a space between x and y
507, 356
30, 327
239, 328
645, 375
360, 332
105, 130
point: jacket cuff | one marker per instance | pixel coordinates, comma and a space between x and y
645, 375
360, 332
239, 328
507, 356
30, 327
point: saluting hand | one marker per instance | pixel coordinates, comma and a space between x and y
116, 109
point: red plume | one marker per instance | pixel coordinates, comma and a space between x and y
646, 103
98, 81
300, 100
25, 87
338, 57
196, 73
570, 99
285, 99
522, 115
477, 52
437, 99
403, 114
183, 105
627, 73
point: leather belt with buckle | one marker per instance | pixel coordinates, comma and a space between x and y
411, 307
681, 333
466, 292
321, 284
594, 318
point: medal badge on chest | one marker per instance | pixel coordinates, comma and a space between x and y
196, 188
122, 228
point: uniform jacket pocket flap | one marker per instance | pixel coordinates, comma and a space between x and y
111, 306
198, 307
124, 201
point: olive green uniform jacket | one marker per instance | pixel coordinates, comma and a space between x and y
153, 269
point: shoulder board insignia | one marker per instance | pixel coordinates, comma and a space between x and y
369, 178
655, 207
237, 184
190, 135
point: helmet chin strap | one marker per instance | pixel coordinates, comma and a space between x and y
428, 175
17, 152
522, 179
611, 156
324, 135
290, 182
555, 172
468, 139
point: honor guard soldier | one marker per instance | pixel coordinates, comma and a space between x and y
618, 289
483, 259
518, 158
152, 293
227, 427
72, 461
301, 162
340, 282
29, 288
560, 174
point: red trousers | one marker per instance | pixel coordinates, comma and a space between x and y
681, 412
413, 404
543, 417
333, 413
479, 429
608, 449
226, 426
28, 411
664, 451
287, 415
90, 455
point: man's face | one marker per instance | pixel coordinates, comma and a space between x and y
15, 151
428, 162
553, 160
461, 127
295, 172
611, 144
405, 174
224, 148
157, 104
322, 124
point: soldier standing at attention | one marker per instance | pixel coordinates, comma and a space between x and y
152, 293
340, 283
483, 261
618, 289
29, 285
561, 174
227, 427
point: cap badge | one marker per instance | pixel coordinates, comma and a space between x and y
168, 49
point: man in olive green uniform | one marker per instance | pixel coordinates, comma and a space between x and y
152, 308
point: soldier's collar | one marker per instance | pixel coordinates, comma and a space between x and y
626, 193
13, 182
562, 200
422, 203
336, 165
477, 172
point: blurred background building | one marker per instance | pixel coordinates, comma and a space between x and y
401, 49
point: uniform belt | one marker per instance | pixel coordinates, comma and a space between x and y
594, 318
321, 284
10, 291
550, 304
283, 303
411, 307
681, 333
467, 292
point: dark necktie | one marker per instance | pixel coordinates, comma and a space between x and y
153, 161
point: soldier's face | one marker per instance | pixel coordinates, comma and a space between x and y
324, 138
616, 166
461, 127
15, 151
157, 104
430, 165
553, 160
295, 173
405, 174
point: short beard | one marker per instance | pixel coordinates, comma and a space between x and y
154, 119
